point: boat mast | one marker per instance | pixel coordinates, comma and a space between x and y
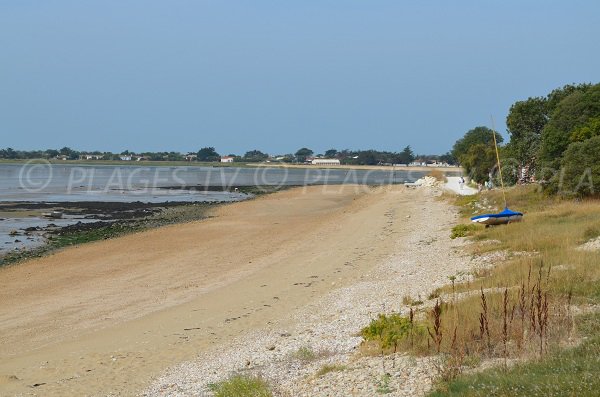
498, 161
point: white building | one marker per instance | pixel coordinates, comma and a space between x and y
325, 162
91, 157
226, 159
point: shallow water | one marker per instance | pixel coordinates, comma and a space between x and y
41, 182
33, 239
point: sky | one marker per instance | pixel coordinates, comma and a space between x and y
178, 75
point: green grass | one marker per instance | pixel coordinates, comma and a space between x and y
327, 368
463, 230
572, 372
241, 386
548, 238
304, 353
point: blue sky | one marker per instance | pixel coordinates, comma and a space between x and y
279, 75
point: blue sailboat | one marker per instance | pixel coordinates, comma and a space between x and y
506, 216
501, 218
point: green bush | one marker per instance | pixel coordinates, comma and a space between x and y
390, 331
304, 353
241, 386
462, 230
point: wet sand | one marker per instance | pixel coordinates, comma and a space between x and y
106, 318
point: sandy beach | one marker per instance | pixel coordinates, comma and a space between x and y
109, 318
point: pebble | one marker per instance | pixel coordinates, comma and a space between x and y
422, 261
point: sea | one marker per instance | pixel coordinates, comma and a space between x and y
44, 182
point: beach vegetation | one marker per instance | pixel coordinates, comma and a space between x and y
327, 368
241, 386
523, 309
383, 385
566, 372
305, 353
531, 311
80, 234
463, 230
393, 332
410, 301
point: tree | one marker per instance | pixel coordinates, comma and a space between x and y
255, 155
331, 153
302, 154
447, 158
406, 156
67, 151
526, 121
208, 154
51, 153
479, 161
558, 94
586, 131
476, 136
581, 169
573, 111
367, 157
8, 153
475, 152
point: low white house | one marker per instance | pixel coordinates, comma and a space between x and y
91, 157
226, 159
325, 162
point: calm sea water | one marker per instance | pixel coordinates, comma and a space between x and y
56, 182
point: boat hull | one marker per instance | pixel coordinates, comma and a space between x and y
503, 220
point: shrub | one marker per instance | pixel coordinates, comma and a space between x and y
327, 368
462, 230
390, 331
304, 354
241, 386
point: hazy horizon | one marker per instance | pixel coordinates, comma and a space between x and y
178, 76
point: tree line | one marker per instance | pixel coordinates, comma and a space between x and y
209, 154
554, 140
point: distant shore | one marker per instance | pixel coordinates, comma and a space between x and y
230, 165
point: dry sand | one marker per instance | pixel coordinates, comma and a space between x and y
108, 317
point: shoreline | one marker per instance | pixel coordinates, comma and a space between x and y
107, 219
228, 165
123, 333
